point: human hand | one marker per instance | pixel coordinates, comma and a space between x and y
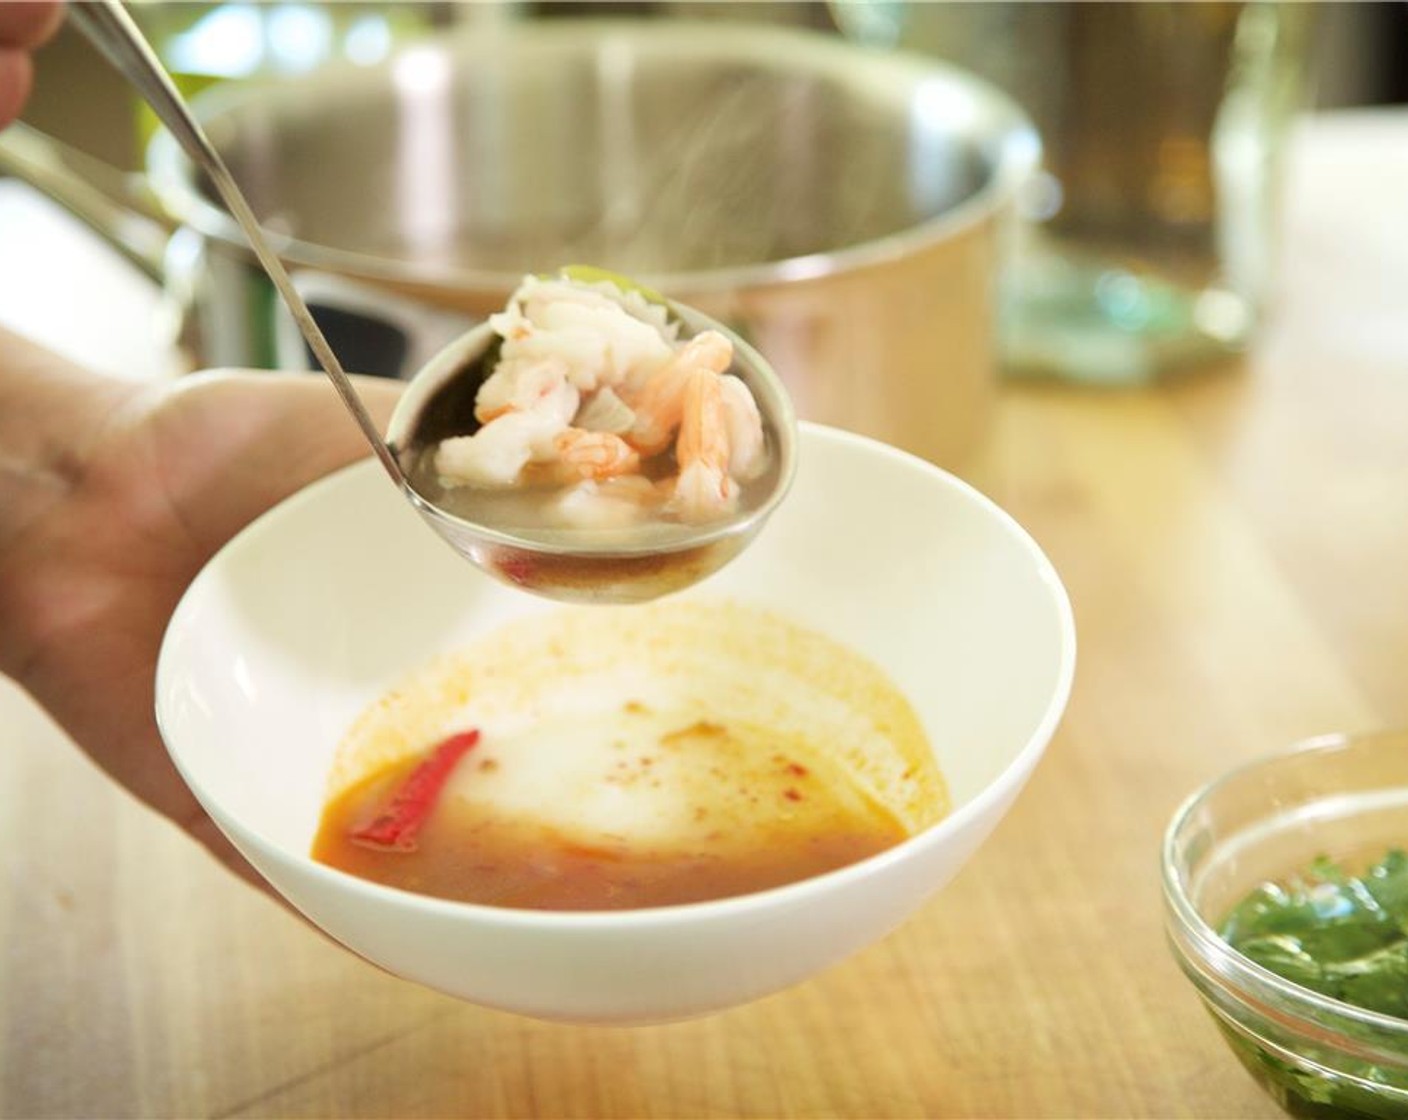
24, 25
112, 497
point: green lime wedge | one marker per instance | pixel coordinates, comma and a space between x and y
590, 274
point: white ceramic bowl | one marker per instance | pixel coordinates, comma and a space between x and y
322, 604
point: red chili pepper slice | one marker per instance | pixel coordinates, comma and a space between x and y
396, 827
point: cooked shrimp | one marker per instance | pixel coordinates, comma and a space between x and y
704, 491
595, 455
660, 403
495, 455
519, 387
597, 337
595, 403
747, 450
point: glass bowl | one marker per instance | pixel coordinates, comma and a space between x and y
1344, 797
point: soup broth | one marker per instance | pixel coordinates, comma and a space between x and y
634, 758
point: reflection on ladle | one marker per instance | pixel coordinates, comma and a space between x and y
601, 570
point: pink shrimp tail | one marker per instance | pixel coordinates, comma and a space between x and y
659, 406
705, 491
595, 455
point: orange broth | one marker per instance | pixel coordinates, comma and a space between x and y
607, 759
782, 826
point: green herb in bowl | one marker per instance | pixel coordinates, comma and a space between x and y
1301, 957
1344, 936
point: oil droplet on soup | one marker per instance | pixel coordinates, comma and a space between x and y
636, 757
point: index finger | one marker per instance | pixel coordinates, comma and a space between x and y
28, 23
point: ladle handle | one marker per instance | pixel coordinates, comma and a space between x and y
108, 26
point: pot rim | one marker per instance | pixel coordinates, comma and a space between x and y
993, 124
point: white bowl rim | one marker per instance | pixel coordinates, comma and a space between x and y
1009, 779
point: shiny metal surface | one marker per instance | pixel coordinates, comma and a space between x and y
623, 573
710, 155
89, 189
844, 209
841, 208
620, 573
108, 26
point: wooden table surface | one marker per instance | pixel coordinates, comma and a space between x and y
1236, 547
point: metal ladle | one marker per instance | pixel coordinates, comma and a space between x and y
608, 569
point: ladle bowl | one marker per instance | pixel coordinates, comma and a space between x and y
595, 570
439, 403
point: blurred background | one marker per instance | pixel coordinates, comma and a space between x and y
852, 185
1356, 57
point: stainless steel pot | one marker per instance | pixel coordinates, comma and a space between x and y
841, 207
